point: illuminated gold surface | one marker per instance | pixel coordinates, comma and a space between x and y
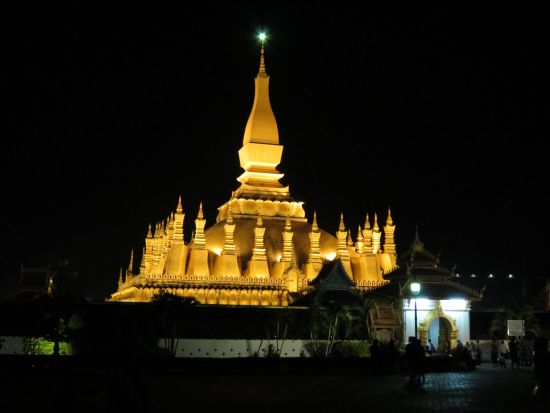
261, 246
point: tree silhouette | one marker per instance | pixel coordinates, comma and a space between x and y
174, 312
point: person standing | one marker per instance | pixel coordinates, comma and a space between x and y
494, 353
541, 362
410, 354
514, 353
504, 352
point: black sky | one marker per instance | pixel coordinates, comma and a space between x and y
111, 114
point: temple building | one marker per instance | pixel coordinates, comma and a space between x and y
440, 308
262, 249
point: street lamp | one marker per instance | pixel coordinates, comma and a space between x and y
415, 289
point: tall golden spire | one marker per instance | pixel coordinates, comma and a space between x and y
261, 152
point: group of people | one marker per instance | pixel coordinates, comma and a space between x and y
384, 356
416, 359
519, 353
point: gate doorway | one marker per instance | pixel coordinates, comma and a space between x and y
440, 333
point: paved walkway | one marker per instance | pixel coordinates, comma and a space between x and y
486, 389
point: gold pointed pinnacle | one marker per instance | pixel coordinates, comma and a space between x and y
367, 222
389, 221
359, 233
179, 208
376, 222
149, 232
314, 226
341, 228
200, 215
131, 264
262, 60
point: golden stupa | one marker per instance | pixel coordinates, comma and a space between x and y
261, 248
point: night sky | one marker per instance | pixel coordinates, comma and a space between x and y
111, 114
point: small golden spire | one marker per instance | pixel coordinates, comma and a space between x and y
120, 281
149, 232
341, 228
179, 208
367, 222
376, 228
359, 234
314, 226
131, 264
157, 230
201, 215
142, 264
349, 239
389, 221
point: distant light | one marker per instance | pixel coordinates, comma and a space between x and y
510, 276
491, 276
330, 256
473, 276
217, 251
415, 287
262, 36
457, 275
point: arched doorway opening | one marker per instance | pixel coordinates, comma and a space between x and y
439, 332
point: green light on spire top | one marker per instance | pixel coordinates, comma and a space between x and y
262, 36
